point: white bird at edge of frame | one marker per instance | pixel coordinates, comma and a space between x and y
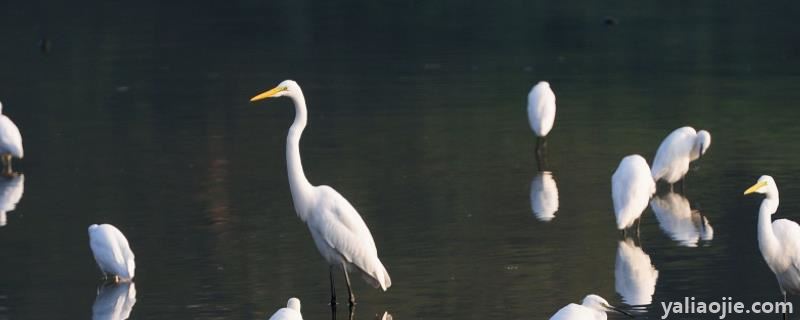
779, 240
541, 111
112, 252
291, 312
339, 232
592, 307
631, 189
10, 142
678, 149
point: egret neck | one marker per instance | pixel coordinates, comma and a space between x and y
767, 241
298, 183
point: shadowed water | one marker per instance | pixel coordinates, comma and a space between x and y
137, 114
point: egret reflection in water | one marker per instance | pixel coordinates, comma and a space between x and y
635, 276
679, 221
11, 190
544, 196
114, 301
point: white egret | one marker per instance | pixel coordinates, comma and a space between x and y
11, 191
541, 108
631, 189
634, 274
778, 240
10, 142
291, 312
679, 221
680, 147
339, 232
112, 252
114, 301
544, 196
592, 307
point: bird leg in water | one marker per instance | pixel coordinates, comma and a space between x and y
7, 164
333, 291
541, 153
349, 290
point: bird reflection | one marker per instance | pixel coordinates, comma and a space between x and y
114, 301
634, 274
11, 190
684, 225
544, 196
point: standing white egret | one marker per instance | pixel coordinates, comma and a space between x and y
676, 151
339, 232
635, 276
541, 108
778, 240
10, 142
11, 191
592, 307
631, 189
112, 252
544, 196
679, 221
291, 312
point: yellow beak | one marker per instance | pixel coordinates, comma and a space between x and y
267, 94
755, 187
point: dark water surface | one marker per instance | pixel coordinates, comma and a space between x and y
137, 114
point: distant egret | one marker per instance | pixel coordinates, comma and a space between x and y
592, 307
10, 142
11, 191
541, 111
291, 312
544, 196
778, 240
112, 252
631, 189
634, 274
680, 147
114, 301
679, 221
339, 232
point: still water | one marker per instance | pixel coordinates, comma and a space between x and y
137, 114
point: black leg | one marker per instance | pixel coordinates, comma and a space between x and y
541, 153
349, 289
333, 292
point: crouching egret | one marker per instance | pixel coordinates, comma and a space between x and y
631, 189
291, 312
634, 274
10, 142
676, 151
778, 240
541, 110
339, 232
112, 252
592, 307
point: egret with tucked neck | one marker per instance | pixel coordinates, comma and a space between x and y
339, 232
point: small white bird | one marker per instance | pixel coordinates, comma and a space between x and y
114, 301
10, 142
291, 312
112, 252
631, 189
544, 196
778, 240
11, 191
635, 276
541, 108
592, 307
338, 230
679, 221
676, 151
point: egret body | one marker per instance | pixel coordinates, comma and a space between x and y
631, 189
112, 252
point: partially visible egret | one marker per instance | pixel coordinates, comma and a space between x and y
10, 142
114, 301
11, 191
631, 189
680, 147
592, 307
112, 252
544, 196
634, 274
679, 221
291, 312
339, 232
778, 240
541, 108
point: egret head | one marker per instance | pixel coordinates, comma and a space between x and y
293, 304
92, 227
596, 302
285, 88
765, 185
702, 142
